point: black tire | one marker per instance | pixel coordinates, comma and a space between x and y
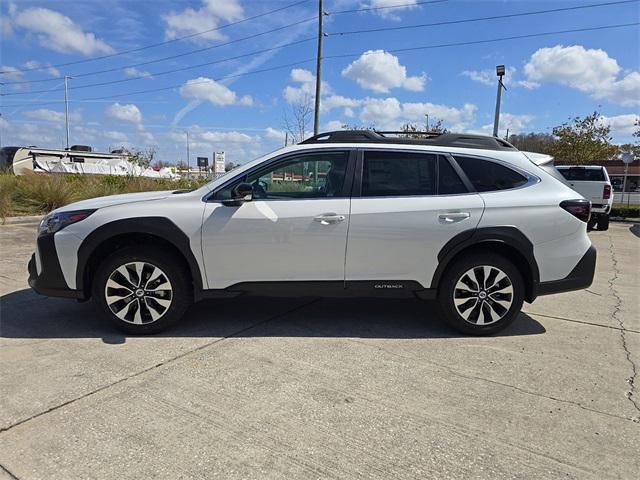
603, 223
168, 303
500, 313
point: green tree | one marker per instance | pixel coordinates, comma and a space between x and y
533, 142
583, 140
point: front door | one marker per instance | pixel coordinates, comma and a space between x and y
294, 229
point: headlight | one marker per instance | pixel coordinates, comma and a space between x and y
56, 221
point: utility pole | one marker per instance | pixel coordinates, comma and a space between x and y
500, 70
66, 107
286, 138
316, 112
427, 124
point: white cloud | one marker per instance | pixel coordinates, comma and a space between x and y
207, 17
621, 124
306, 86
47, 115
380, 71
58, 32
275, 134
51, 70
206, 89
116, 136
126, 113
391, 13
390, 113
334, 125
488, 77
10, 73
515, 123
224, 137
134, 72
591, 71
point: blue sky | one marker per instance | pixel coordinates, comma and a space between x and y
368, 82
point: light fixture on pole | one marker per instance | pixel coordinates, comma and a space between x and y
500, 71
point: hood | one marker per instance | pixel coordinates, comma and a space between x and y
112, 200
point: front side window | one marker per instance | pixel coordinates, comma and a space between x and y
488, 176
304, 176
394, 174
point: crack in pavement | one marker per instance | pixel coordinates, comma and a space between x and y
8, 472
153, 367
627, 330
630, 394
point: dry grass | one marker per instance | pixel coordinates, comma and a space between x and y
40, 193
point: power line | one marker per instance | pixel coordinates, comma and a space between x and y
167, 72
171, 57
191, 52
340, 12
166, 42
348, 55
493, 17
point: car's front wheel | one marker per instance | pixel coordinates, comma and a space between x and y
481, 293
142, 289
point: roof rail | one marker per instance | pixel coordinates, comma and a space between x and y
462, 140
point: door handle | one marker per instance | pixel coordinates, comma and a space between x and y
329, 218
453, 217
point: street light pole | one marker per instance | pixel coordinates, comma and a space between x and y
188, 158
66, 107
427, 115
316, 112
500, 70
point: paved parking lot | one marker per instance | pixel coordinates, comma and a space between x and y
321, 388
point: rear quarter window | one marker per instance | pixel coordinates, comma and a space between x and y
487, 176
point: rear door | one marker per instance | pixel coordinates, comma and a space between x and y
406, 206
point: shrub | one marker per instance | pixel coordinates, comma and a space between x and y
621, 210
8, 186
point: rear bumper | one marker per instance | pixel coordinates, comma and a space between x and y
50, 281
579, 278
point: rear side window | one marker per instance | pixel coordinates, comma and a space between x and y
583, 174
489, 176
394, 174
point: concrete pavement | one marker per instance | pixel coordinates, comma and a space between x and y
329, 388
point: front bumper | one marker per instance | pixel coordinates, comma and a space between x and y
579, 278
50, 281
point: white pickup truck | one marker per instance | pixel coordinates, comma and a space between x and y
593, 183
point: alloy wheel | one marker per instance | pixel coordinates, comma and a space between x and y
483, 295
138, 293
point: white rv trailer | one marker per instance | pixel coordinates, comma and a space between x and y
21, 160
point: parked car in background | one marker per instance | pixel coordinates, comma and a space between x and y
593, 183
467, 220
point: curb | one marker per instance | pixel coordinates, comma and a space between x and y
625, 220
21, 220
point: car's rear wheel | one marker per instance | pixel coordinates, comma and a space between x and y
481, 293
142, 289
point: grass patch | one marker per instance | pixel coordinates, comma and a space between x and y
37, 194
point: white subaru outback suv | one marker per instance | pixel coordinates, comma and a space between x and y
465, 219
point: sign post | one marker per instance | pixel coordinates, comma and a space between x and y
627, 158
202, 162
219, 163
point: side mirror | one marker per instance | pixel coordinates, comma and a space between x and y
243, 192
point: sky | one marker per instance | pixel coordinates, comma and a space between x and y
229, 72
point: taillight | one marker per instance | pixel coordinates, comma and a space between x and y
581, 209
606, 193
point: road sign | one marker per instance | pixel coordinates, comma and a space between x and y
203, 162
627, 157
219, 159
